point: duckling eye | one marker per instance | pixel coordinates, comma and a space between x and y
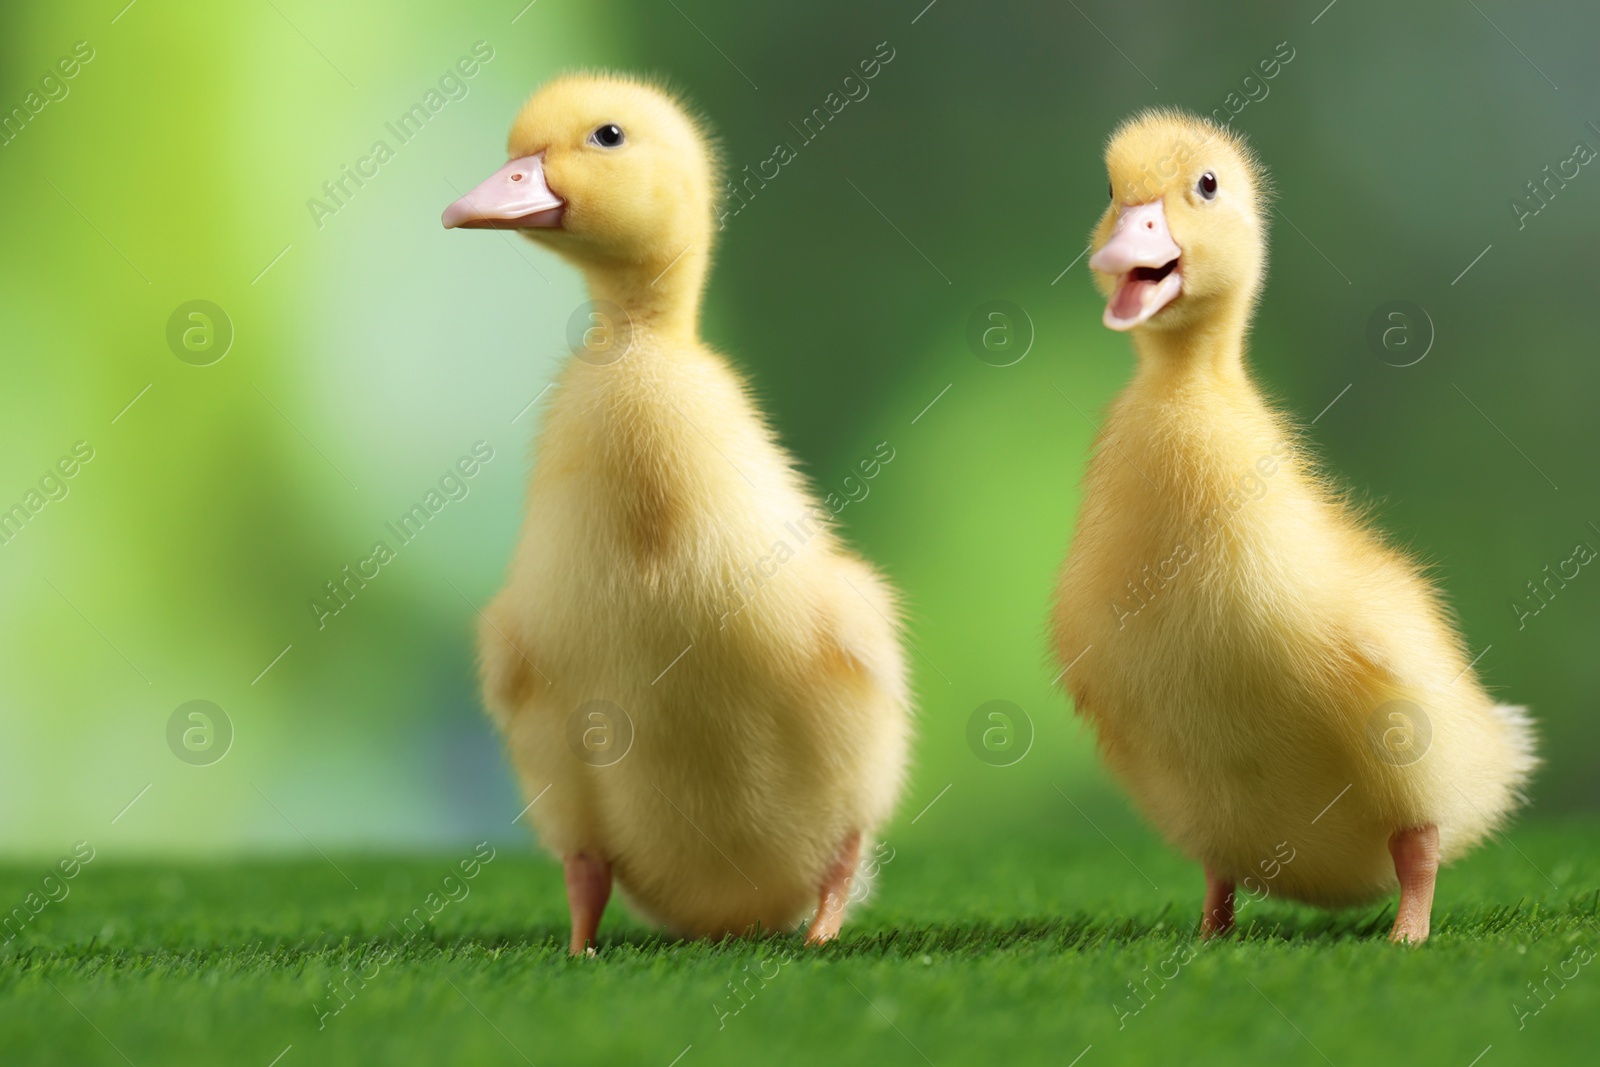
1111, 191
1208, 185
607, 136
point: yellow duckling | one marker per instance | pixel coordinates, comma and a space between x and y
702, 690
1282, 692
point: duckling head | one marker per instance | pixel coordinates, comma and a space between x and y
1183, 241
613, 174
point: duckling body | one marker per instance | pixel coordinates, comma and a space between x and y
1266, 676
762, 736
752, 721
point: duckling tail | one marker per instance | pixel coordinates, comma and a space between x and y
1520, 739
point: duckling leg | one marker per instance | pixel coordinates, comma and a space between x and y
1416, 863
588, 889
835, 893
1217, 918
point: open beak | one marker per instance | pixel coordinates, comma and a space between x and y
515, 197
1142, 252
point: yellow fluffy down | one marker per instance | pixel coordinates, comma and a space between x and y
1259, 666
766, 727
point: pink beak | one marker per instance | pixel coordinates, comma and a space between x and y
515, 197
1142, 250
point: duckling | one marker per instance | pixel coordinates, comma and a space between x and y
702, 690
1283, 693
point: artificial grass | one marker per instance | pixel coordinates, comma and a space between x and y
992, 950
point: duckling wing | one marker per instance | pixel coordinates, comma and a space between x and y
1423, 739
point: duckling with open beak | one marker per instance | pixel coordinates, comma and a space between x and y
1282, 693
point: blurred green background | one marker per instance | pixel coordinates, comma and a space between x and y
371, 349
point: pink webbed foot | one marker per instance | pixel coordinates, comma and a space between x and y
588, 889
835, 892
1416, 864
1217, 916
